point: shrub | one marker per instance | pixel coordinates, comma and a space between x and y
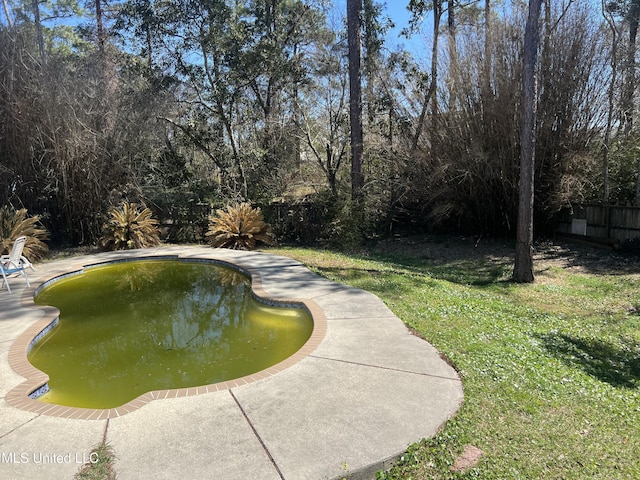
130, 226
16, 223
240, 227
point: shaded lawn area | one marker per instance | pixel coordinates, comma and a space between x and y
551, 370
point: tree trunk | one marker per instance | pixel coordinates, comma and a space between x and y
630, 80
7, 13
100, 37
39, 35
611, 104
453, 53
628, 104
637, 199
430, 97
354, 30
433, 88
523, 270
486, 93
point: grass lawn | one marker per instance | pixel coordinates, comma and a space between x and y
551, 370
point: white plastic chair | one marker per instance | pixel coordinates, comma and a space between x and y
15, 262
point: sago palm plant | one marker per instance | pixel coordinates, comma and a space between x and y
16, 223
129, 226
240, 227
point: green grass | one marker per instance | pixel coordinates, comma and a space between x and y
551, 370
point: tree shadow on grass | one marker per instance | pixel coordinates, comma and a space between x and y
478, 270
366, 278
616, 364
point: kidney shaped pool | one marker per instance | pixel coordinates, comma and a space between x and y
131, 327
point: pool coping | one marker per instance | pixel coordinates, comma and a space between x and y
19, 396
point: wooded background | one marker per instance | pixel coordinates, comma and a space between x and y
188, 105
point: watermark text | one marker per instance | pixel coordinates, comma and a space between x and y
47, 458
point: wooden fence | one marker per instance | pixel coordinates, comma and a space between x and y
606, 223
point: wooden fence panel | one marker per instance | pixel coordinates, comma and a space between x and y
608, 223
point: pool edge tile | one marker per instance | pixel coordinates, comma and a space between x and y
18, 396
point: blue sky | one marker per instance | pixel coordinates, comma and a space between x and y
397, 11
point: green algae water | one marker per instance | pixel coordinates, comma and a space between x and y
131, 327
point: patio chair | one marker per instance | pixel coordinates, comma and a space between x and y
15, 262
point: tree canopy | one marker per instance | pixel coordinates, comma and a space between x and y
187, 106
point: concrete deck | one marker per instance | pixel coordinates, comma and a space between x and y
345, 408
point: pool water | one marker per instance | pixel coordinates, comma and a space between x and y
128, 328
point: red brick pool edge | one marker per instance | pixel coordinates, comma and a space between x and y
19, 397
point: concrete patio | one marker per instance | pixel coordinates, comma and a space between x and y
346, 406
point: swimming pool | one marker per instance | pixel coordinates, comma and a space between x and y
130, 327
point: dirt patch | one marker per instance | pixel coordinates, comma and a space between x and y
547, 254
585, 259
469, 459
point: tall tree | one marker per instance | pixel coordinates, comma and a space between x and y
486, 71
523, 269
38, 24
7, 13
628, 100
613, 28
629, 10
236, 67
453, 50
354, 32
374, 27
325, 111
100, 29
633, 18
418, 8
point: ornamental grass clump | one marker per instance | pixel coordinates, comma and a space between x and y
239, 227
16, 223
130, 226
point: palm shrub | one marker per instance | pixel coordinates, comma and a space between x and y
16, 223
129, 226
240, 227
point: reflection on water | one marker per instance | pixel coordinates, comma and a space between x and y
132, 327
